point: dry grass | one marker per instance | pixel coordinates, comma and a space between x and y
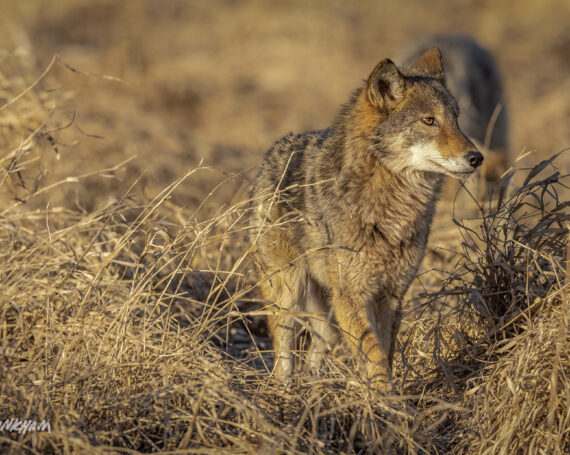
131, 323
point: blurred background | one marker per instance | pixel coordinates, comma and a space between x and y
175, 82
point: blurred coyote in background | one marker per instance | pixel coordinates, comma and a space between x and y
342, 215
473, 79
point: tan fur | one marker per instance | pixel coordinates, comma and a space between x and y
341, 217
450, 145
366, 117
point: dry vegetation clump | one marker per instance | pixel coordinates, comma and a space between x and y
518, 255
495, 337
520, 298
135, 326
521, 402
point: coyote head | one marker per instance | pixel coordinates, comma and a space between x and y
416, 127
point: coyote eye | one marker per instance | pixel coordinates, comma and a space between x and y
430, 121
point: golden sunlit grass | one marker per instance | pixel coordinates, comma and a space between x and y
135, 326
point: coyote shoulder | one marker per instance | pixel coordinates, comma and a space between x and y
341, 216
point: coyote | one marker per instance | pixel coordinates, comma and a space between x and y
473, 79
342, 215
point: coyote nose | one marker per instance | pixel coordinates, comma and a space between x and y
474, 158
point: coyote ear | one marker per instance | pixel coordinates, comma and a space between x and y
385, 86
430, 64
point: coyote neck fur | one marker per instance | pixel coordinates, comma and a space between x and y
399, 204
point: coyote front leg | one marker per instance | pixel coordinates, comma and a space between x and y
388, 315
369, 337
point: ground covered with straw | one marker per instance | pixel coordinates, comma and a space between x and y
130, 319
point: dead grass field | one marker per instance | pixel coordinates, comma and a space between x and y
129, 318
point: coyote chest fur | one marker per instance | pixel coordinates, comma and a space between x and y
342, 215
